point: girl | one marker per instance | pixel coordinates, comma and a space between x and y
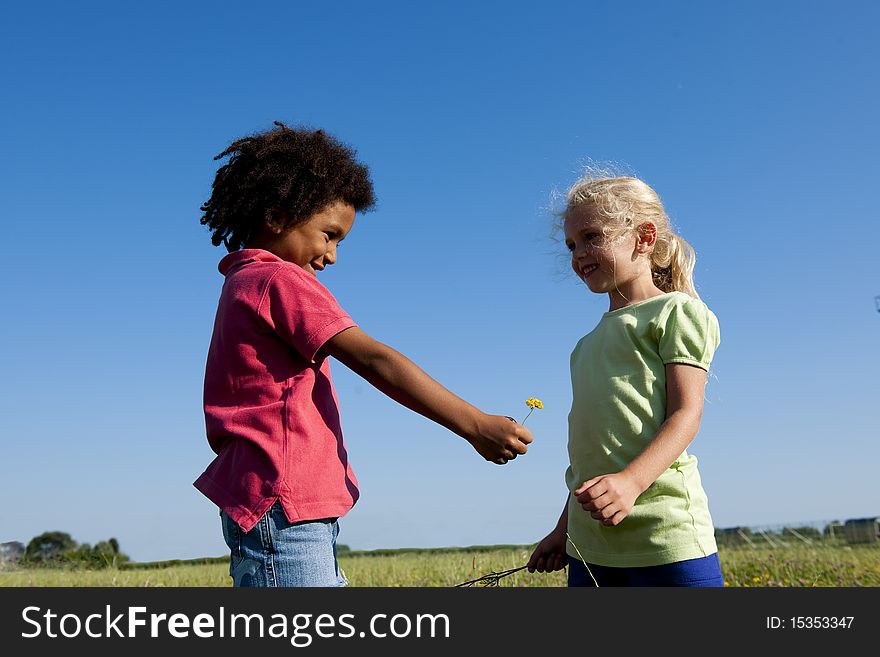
281, 477
637, 512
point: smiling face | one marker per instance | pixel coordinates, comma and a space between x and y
311, 244
607, 263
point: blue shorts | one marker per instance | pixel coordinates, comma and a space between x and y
277, 552
705, 571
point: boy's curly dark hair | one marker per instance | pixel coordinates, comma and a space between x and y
282, 177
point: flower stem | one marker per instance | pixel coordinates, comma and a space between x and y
582, 559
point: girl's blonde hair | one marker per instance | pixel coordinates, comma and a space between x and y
626, 203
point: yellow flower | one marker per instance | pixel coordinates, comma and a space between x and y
532, 403
756, 579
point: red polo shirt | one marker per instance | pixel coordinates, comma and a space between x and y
271, 412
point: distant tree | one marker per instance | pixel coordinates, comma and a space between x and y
60, 548
106, 553
49, 546
103, 548
342, 548
82, 554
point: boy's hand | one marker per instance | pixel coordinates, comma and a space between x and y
550, 554
500, 439
608, 498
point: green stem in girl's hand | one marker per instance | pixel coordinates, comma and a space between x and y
584, 561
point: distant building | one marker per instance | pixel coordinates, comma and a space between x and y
862, 530
11, 552
833, 530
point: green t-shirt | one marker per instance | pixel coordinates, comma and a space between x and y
618, 379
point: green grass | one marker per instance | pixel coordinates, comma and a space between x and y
858, 565
746, 567
203, 575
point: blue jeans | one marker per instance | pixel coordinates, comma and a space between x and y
705, 571
278, 553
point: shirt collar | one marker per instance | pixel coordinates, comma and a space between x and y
243, 257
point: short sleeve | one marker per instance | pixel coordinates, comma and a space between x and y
302, 311
689, 334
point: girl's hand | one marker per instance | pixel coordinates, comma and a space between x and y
550, 554
609, 498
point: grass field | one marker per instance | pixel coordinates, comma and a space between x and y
743, 567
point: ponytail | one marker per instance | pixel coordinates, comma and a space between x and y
672, 265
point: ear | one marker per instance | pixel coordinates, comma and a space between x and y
646, 237
275, 220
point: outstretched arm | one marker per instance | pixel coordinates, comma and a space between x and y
609, 498
496, 438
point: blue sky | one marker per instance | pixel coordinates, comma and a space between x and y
755, 122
